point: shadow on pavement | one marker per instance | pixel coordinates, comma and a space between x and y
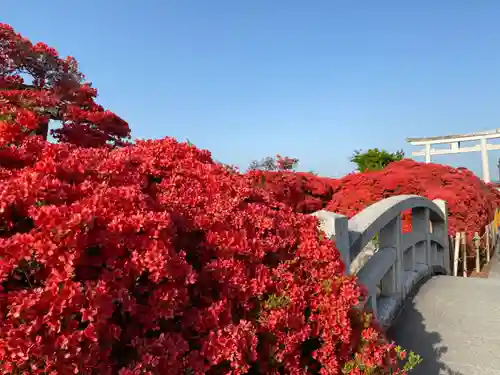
410, 333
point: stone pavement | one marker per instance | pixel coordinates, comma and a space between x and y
454, 324
494, 271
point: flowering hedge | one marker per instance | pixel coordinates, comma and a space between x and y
303, 192
152, 259
471, 203
495, 193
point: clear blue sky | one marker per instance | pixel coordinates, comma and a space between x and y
310, 79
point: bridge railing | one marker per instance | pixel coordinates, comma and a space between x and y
402, 259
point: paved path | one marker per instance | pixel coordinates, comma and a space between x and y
494, 272
454, 324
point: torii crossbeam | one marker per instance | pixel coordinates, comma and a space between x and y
454, 141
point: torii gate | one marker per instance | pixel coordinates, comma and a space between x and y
454, 141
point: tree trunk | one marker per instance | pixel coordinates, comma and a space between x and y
43, 130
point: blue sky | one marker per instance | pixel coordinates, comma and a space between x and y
313, 79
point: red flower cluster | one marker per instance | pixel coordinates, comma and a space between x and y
152, 259
36, 86
471, 203
495, 193
303, 192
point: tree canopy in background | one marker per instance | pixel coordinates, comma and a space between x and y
375, 159
276, 163
37, 86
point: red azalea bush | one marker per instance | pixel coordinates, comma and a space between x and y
152, 259
471, 203
303, 192
495, 193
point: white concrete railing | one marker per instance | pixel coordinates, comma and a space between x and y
402, 260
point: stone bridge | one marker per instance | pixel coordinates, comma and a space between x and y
453, 323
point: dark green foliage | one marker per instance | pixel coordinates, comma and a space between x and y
375, 159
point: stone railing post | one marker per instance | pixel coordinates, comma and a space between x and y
336, 227
420, 223
440, 228
390, 237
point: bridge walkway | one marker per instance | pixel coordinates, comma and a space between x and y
453, 323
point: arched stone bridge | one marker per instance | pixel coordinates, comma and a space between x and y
453, 323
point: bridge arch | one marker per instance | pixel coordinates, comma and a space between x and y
402, 260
